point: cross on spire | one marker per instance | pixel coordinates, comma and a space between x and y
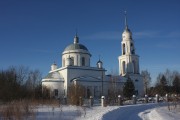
125, 15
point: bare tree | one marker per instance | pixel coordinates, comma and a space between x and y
33, 81
22, 74
75, 91
146, 79
169, 77
13, 83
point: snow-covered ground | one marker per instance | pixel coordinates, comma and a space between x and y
160, 113
151, 111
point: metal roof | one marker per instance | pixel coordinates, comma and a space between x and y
75, 46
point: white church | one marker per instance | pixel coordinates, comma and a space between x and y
76, 69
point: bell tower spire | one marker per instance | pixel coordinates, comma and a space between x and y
125, 16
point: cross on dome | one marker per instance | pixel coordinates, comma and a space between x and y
76, 38
125, 15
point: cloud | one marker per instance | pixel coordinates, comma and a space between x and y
117, 35
161, 39
106, 35
167, 45
41, 51
146, 34
161, 67
157, 34
174, 34
141, 35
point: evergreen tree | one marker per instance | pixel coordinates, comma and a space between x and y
128, 89
176, 85
162, 86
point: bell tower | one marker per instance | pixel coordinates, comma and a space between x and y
129, 60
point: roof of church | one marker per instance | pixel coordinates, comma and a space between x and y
53, 75
75, 46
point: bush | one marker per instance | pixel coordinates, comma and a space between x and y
74, 93
17, 110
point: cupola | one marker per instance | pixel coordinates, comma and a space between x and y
53, 66
100, 64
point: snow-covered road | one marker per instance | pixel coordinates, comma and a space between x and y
129, 112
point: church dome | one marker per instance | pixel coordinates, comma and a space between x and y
76, 45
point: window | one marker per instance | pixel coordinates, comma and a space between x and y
88, 92
55, 92
83, 61
72, 61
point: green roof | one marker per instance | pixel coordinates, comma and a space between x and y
75, 46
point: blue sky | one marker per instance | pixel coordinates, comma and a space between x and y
34, 33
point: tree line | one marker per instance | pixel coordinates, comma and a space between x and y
166, 82
20, 83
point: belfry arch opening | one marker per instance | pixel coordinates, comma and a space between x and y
124, 49
123, 67
132, 49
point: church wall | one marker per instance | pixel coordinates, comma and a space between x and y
77, 56
138, 83
63, 72
71, 72
74, 72
88, 84
52, 85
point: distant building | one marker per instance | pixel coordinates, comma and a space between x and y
76, 69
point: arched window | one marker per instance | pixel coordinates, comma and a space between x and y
83, 61
132, 49
124, 50
72, 61
123, 67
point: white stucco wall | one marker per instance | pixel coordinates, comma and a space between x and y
54, 84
